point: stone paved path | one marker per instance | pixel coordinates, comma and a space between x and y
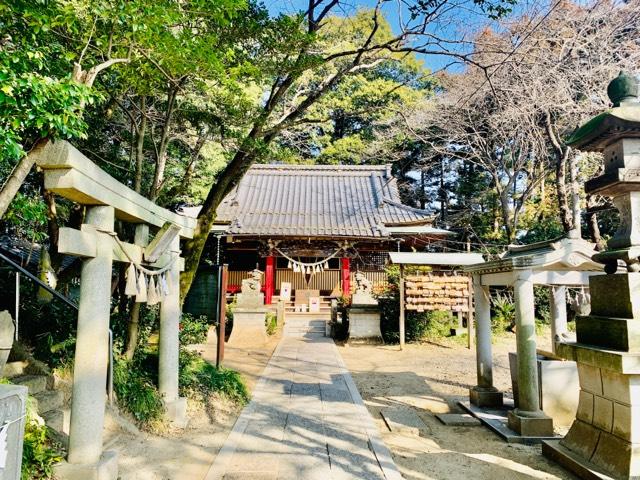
306, 419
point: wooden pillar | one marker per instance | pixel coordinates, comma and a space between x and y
345, 270
269, 279
401, 319
223, 275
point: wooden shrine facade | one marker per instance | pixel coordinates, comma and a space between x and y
314, 226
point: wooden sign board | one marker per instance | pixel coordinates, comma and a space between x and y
314, 304
285, 291
302, 296
438, 292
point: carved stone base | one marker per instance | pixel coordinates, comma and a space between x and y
364, 323
105, 469
486, 397
176, 412
606, 432
530, 424
248, 327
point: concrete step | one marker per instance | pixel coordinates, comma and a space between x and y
54, 419
35, 383
49, 400
14, 369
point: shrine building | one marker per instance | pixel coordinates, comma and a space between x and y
315, 226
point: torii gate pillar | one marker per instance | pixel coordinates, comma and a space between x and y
86, 459
169, 348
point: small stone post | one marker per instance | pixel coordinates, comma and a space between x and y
528, 419
86, 459
484, 394
558, 314
169, 347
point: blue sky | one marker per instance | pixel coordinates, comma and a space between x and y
466, 17
470, 21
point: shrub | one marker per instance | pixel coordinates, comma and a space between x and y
504, 313
200, 378
135, 391
39, 452
542, 297
193, 329
427, 325
271, 322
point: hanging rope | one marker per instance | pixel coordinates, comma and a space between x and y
312, 264
138, 266
146, 290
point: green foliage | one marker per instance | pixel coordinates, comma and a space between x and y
200, 378
428, 325
39, 453
37, 97
136, 391
271, 323
193, 329
27, 216
504, 313
418, 325
542, 298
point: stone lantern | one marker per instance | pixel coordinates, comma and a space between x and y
604, 439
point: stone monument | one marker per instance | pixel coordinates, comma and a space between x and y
364, 314
250, 313
7, 331
250, 295
13, 409
604, 439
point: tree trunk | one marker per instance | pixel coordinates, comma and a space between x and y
561, 153
137, 186
576, 212
561, 191
225, 182
133, 331
505, 209
161, 157
592, 224
15, 180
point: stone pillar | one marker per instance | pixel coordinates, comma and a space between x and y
85, 458
559, 328
269, 279
528, 419
169, 347
484, 394
605, 436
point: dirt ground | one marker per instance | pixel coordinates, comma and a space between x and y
431, 378
186, 455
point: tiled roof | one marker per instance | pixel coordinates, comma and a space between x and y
317, 200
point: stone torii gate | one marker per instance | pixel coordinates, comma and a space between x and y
68, 173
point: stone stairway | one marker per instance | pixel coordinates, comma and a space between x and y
304, 326
324, 313
41, 385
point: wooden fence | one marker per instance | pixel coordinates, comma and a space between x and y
324, 281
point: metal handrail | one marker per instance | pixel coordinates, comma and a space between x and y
42, 284
74, 305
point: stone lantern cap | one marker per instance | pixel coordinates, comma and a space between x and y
622, 121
